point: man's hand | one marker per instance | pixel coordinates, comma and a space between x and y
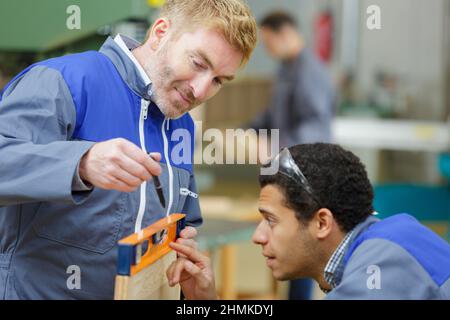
194, 273
118, 165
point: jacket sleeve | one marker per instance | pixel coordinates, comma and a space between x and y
38, 162
382, 270
192, 206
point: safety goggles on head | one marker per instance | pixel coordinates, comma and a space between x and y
287, 167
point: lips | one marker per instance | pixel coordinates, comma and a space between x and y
185, 99
269, 258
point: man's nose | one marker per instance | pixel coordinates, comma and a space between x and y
201, 88
260, 236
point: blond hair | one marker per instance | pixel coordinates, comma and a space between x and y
232, 18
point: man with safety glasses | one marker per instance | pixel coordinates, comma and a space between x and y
318, 222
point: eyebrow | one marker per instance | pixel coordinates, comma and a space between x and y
265, 212
204, 56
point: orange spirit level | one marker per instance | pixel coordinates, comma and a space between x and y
143, 260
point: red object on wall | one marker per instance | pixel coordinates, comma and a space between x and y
324, 36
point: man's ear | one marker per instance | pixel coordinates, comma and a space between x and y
323, 223
159, 33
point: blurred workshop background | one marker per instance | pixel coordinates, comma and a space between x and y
393, 106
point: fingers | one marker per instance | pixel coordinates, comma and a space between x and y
135, 153
134, 168
175, 273
187, 236
188, 233
118, 165
196, 272
170, 272
152, 166
176, 269
192, 254
188, 242
127, 178
156, 156
135, 164
118, 185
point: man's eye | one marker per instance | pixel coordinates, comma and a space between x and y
218, 82
270, 222
198, 65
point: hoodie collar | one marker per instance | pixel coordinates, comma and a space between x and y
119, 52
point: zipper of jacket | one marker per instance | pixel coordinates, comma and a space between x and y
143, 199
169, 166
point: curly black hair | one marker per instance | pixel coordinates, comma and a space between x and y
338, 180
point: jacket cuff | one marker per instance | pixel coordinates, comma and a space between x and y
80, 190
78, 184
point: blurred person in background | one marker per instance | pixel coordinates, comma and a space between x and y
304, 98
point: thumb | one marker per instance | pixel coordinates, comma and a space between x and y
156, 156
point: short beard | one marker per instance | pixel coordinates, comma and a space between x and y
161, 76
169, 110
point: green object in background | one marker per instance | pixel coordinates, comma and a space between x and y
41, 26
444, 165
429, 204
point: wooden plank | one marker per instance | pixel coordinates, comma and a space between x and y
228, 259
149, 284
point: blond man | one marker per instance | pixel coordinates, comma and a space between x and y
75, 134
